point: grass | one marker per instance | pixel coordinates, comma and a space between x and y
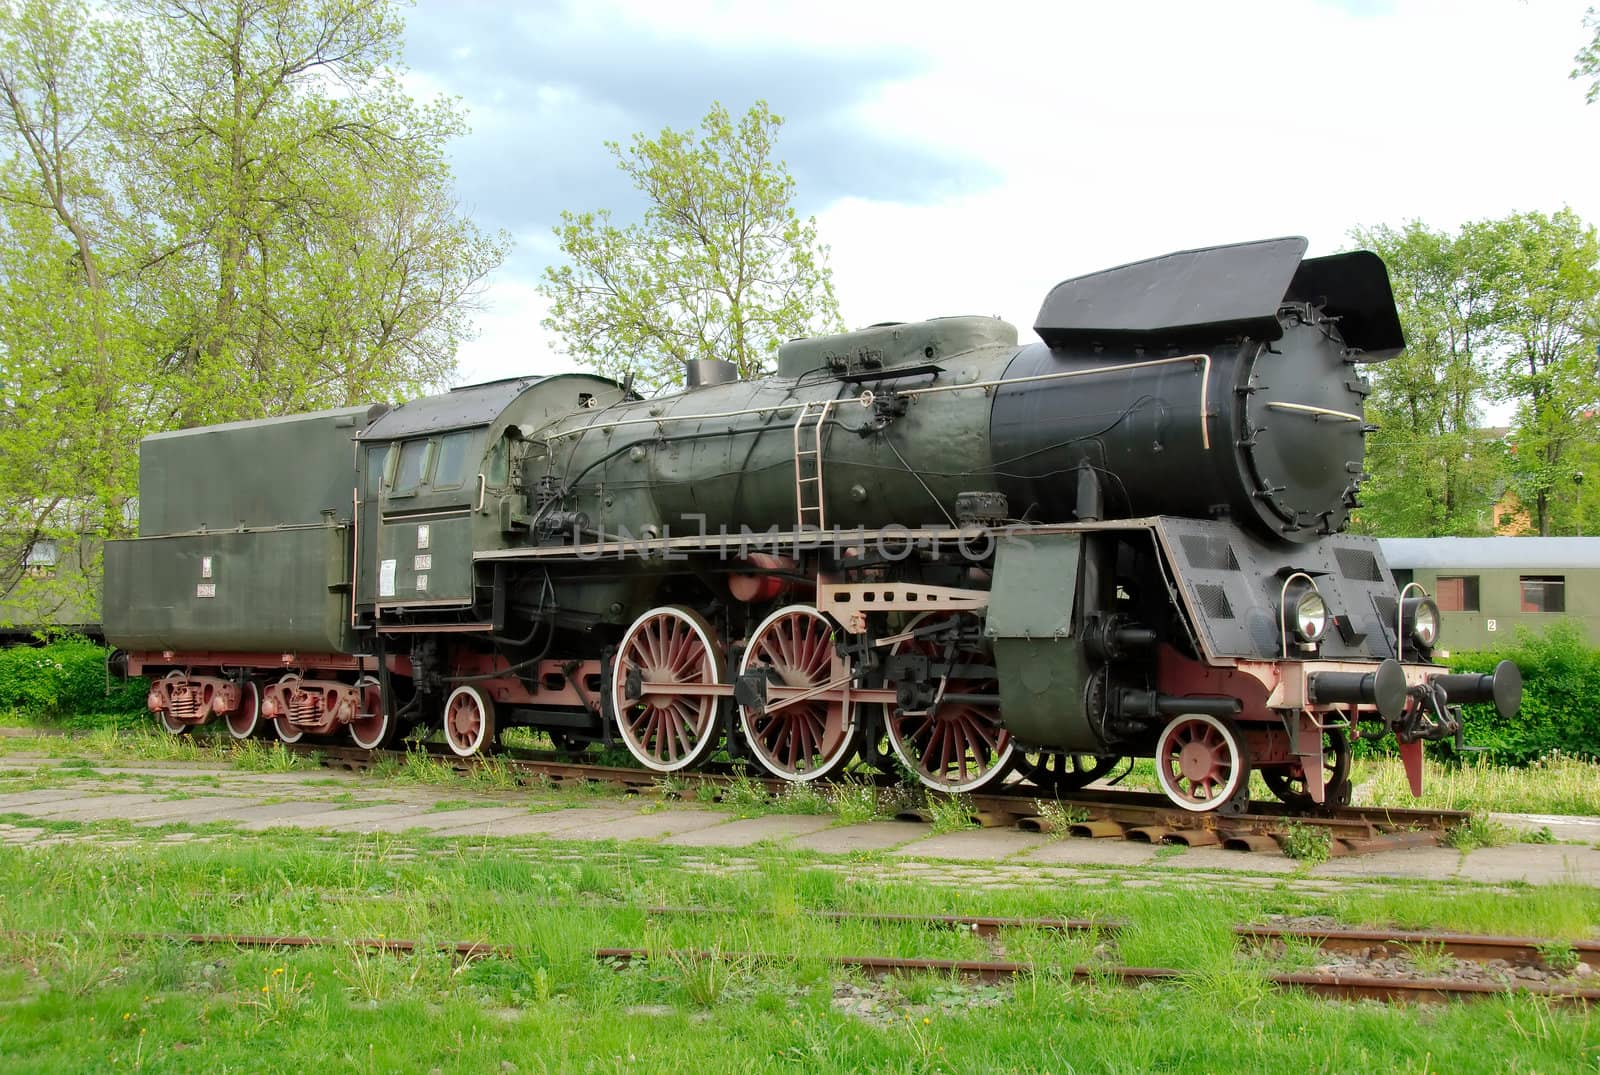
1309, 844
80, 996
1554, 784
1478, 831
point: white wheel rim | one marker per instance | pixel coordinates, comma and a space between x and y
699, 751
460, 748
171, 724
910, 757
249, 698
753, 739
1238, 770
287, 732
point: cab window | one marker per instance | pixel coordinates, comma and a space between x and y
413, 465
377, 457
499, 470
451, 469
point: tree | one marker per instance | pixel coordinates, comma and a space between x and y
1433, 470
1588, 57
720, 266
210, 210
1508, 309
1548, 312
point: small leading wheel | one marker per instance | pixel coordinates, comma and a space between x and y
811, 737
1289, 783
668, 720
468, 720
953, 746
287, 733
1054, 772
374, 727
1202, 764
245, 721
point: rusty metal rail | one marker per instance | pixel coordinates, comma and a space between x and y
1337, 986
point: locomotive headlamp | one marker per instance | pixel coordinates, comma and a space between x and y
1420, 617
1310, 617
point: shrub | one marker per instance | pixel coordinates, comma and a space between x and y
66, 678
1560, 697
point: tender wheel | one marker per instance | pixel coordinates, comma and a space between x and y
1054, 772
375, 727
807, 739
169, 723
954, 746
1289, 784
667, 658
468, 720
286, 732
1202, 764
245, 721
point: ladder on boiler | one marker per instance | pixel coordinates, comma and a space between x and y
808, 428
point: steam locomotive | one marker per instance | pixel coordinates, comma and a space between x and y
919, 547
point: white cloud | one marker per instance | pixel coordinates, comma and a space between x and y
1123, 131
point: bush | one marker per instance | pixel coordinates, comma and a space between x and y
65, 678
1560, 697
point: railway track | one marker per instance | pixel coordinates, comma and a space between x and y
1095, 813
1336, 985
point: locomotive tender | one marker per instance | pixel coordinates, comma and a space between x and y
916, 545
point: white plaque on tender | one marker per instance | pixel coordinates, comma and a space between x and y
386, 578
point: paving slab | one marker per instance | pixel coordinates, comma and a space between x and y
1421, 862
8, 803
977, 845
178, 811
867, 836
91, 807
468, 818
1085, 852
359, 819
1561, 827
245, 813
751, 830
577, 823
655, 826
1535, 864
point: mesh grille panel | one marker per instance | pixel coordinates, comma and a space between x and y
1214, 601
1359, 564
1209, 552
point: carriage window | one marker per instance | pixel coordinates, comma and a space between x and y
452, 466
377, 456
1544, 593
413, 464
1456, 593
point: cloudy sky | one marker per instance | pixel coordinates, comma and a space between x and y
962, 158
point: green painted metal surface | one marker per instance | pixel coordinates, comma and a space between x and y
272, 472
1042, 667
275, 590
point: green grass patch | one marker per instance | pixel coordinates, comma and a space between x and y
79, 996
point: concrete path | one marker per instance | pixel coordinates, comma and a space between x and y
156, 795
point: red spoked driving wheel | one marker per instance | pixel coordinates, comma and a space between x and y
808, 727
665, 662
956, 744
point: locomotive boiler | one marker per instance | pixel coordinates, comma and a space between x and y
917, 547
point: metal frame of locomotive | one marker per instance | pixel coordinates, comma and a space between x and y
918, 545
